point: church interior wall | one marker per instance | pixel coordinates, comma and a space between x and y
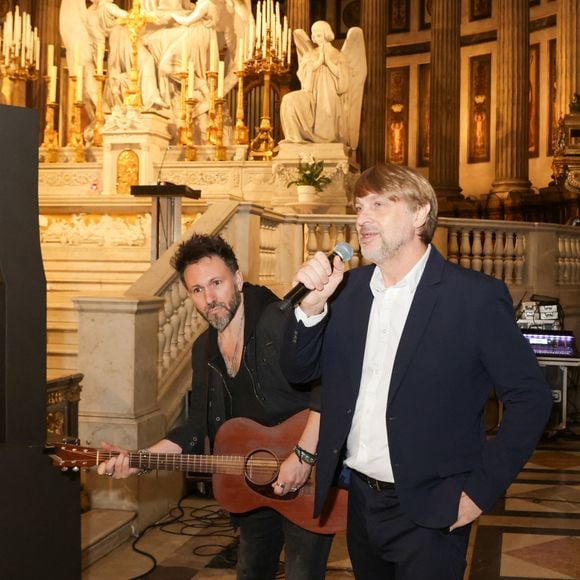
476, 177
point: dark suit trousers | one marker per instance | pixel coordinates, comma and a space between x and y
385, 544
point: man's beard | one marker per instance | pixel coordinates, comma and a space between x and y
220, 322
387, 249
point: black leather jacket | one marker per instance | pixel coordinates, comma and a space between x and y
211, 403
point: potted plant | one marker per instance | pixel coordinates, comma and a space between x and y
310, 179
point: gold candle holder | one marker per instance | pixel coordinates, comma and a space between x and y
50, 137
220, 150
71, 110
262, 146
182, 135
50, 142
241, 133
211, 131
190, 149
77, 141
99, 116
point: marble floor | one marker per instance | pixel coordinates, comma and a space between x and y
533, 532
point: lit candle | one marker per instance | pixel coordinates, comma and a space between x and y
49, 57
259, 26
240, 54
252, 39
183, 57
289, 53
213, 53
285, 34
220, 85
79, 95
190, 78
36, 48
16, 35
100, 58
52, 84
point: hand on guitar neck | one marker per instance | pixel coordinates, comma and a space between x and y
118, 465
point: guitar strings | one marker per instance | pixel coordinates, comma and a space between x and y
193, 462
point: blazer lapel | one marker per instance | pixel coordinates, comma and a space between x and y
417, 320
359, 300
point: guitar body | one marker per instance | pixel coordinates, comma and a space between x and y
258, 444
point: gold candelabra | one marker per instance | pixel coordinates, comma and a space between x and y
268, 62
182, 136
220, 150
99, 116
241, 133
211, 131
19, 48
135, 21
190, 149
77, 141
18, 69
50, 140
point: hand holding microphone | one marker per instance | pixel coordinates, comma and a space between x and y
317, 280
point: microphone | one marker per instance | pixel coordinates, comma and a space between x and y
159, 182
343, 250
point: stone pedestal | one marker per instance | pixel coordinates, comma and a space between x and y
118, 352
145, 134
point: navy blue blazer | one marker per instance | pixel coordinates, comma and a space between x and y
460, 340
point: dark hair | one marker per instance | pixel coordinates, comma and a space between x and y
402, 183
201, 246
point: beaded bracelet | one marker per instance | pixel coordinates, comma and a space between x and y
305, 456
144, 471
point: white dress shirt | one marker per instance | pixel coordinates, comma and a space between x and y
367, 444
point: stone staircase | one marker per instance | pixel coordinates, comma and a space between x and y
82, 271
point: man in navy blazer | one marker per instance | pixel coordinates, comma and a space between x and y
408, 350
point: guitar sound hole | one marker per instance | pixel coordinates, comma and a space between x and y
261, 467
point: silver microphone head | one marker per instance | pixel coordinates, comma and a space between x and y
344, 251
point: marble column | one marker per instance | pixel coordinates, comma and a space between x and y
568, 59
298, 12
373, 119
511, 135
445, 96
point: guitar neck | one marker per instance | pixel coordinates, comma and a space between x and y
228, 464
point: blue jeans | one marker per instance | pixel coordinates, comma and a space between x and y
264, 532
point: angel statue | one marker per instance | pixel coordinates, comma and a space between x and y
328, 106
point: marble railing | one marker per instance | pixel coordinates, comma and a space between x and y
519, 253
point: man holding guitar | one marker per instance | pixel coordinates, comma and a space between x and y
236, 373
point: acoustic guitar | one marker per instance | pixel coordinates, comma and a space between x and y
246, 461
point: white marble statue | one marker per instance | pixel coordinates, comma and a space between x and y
180, 28
83, 29
327, 108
